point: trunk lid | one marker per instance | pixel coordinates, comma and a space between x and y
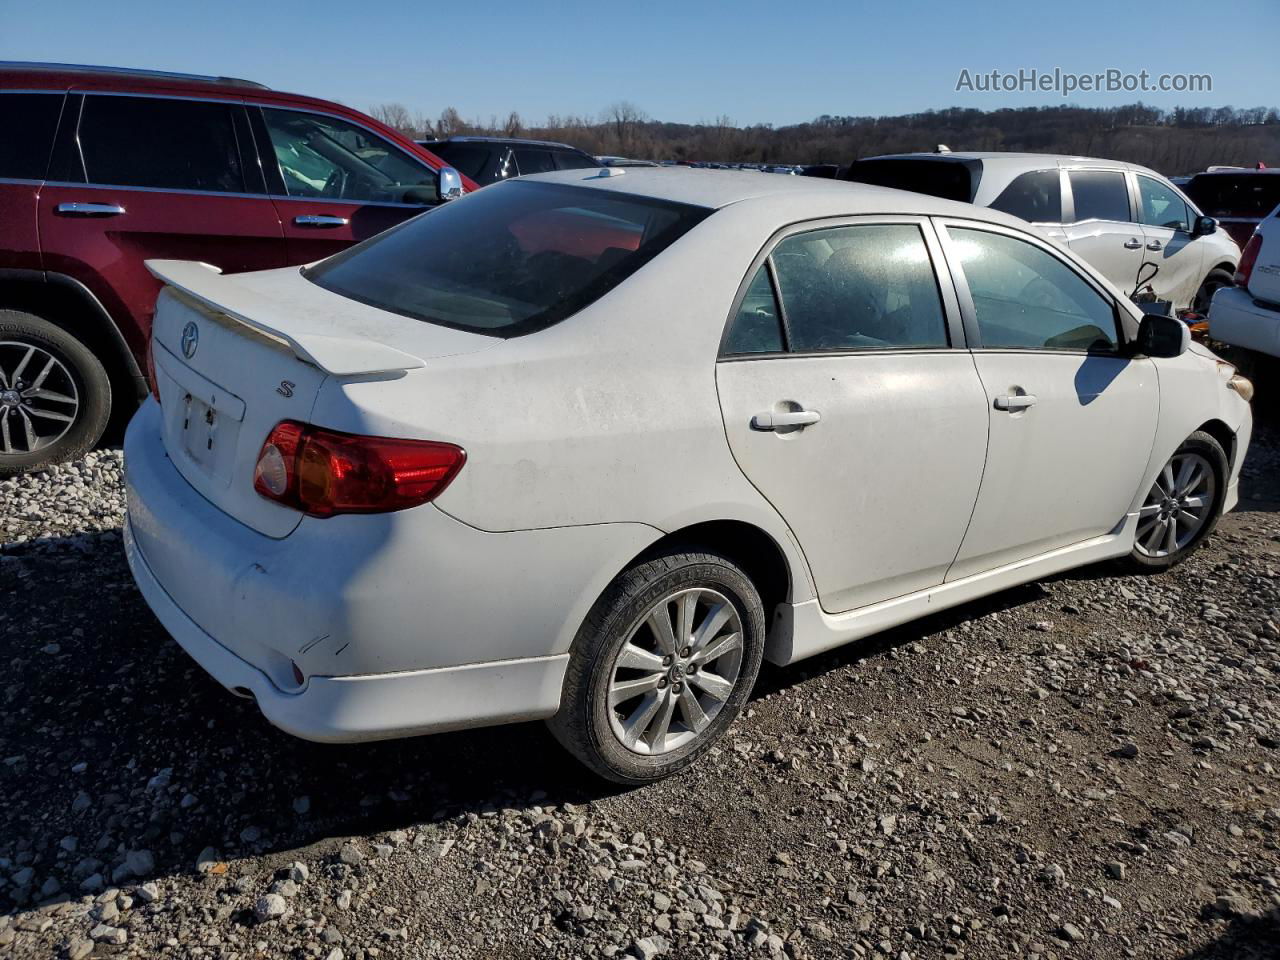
235, 355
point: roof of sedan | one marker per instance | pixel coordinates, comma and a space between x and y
720, 188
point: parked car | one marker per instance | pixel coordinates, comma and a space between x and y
101, 168
1247, 316
827, 171
1239, 199
552, 451
1118, 216
625, 162
488, 160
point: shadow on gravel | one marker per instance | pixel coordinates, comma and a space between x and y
1247, 938
113, 742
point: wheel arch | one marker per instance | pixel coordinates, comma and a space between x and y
1225, 436
759, 555
67, 303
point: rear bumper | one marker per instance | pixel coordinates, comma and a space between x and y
400, 623
380, 706
1235, 317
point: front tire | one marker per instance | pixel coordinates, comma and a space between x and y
1183, 505
55, 397
661, 667
1214, 281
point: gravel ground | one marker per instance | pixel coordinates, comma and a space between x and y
1085, 767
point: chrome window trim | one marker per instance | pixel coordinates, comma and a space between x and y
21, 181
155, 96
53, 92
217, 193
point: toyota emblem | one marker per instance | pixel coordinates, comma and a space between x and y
190, 339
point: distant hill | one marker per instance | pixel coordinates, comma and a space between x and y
1181, 140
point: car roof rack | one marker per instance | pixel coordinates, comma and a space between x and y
129, 72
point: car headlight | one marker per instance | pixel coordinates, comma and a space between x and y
1242, 386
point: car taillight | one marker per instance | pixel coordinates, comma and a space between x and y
152, 382
1247, 259
323, 472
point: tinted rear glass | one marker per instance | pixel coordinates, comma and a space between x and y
1100, 195
157, 142
27, 125
573, 160
1235, 195
948, 179
510, 259
1035, 197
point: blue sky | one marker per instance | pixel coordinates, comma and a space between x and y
756, 62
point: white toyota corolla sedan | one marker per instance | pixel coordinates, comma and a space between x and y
589, 446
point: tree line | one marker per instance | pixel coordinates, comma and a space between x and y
1173, 141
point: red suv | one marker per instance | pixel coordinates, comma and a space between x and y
102, 169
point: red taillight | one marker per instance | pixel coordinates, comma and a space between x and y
152, 382
1247, 259
323, 472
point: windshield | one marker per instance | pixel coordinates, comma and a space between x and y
510, 259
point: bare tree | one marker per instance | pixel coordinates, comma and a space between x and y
396, 116
625, 118
450, 123
513, 127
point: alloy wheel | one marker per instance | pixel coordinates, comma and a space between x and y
1177, 508
38, 398
674, 672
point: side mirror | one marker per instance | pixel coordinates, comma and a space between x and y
1204, 226
1162, 336
450, 184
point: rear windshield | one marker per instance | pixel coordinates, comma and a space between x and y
1235, 195
947, 179
509, 259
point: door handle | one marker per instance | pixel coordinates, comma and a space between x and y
1015, 402
1133, 243
789, 418
1154, 245
320, 221
90, 209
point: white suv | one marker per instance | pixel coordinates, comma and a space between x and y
1115, 215
1248, 315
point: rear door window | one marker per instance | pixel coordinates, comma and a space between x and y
509, 259
28, 122
161, 143
1100, 195
572, 160
1035, 197
866, 287
530, 160
756, 327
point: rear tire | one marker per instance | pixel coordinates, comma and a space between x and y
1183, 505
55, 397
637, 708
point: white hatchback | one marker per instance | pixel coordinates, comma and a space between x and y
590, 446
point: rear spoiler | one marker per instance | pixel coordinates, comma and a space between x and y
313, 341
